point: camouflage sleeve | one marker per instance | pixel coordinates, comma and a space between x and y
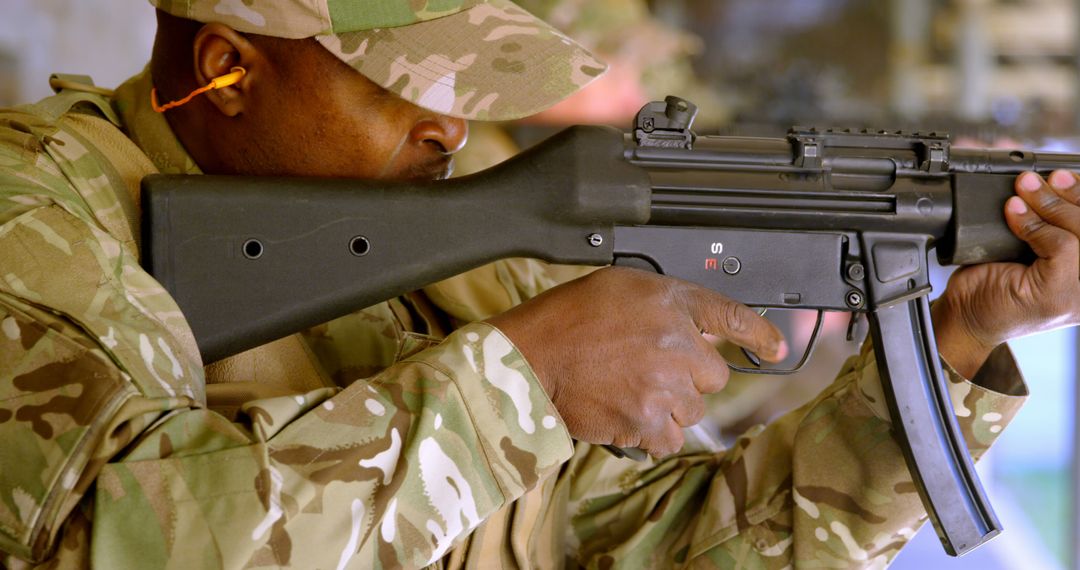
110, 458
823, 487
84, 364
387, 473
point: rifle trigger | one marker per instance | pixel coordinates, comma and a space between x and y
753, 358
635, 454
853, 326
780, 372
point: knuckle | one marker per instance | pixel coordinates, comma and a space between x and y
667, 296
714, 382
677, 295
1053, 207
675, 442
722, 376
664, 446
653, 382
735, 318
627, 440
649, 411
669, 340
1032, 227
696, 411
715, 375
667, 450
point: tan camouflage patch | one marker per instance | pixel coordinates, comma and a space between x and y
491, 62
279, 18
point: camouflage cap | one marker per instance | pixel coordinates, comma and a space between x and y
474, 59
625, 29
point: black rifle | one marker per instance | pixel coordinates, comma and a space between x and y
826, 220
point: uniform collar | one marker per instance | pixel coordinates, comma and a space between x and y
148, 129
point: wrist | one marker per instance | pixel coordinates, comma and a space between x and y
964, 351
519, 337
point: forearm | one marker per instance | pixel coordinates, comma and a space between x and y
399, 467
390, 471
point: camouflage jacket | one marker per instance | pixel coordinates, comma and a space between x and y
452, 456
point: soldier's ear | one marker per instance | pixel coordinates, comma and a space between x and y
218, 49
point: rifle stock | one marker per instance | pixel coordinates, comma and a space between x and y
839, 221
251, 260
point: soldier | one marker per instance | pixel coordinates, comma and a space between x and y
121, 451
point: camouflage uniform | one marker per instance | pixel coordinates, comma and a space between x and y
452, 456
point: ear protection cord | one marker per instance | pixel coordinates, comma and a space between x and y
393, 156
237, 73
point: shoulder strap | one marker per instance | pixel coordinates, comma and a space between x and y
71, 91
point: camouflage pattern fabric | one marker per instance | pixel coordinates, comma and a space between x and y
306, 18
452, 457
473, 59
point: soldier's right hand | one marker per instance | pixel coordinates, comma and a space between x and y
621, 353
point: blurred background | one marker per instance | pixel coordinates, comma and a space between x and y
990, 72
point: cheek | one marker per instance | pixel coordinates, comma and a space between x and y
330, 146
294, 138
375, 153
359, 144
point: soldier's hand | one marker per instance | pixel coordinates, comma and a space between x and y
622, 356
986, 305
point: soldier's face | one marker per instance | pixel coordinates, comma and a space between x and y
325, 119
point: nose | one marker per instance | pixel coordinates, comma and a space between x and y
447, 134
